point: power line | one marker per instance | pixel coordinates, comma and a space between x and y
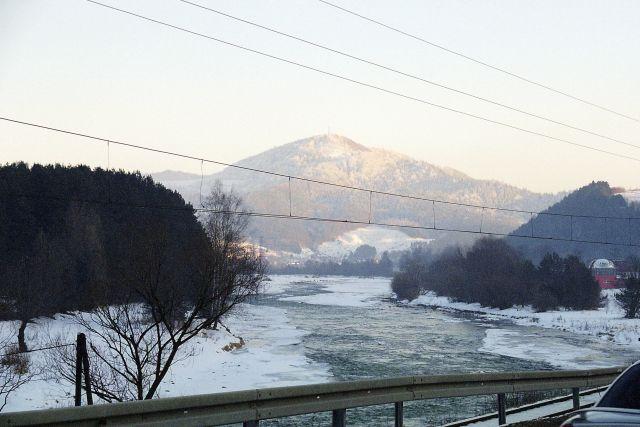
365, 84
409, 75
37, 349
335, 220
419, 227
478, 61
299, 178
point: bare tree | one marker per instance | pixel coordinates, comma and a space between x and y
35, 281
15, 367
170, 294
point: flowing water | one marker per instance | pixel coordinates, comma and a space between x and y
356, 331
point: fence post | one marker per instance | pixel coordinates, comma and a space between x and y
502, 409
576, 397
85, 366
339, 418
398, 414
253, 423
78, 395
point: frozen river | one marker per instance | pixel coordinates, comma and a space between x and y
353, 330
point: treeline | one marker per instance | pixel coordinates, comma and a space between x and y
597, 200
361, 268
72, 238
495, 274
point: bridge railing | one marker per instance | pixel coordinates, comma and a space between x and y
251, 406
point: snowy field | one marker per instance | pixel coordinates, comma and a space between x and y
607, 323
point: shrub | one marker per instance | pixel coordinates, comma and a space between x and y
18, 362
629, 298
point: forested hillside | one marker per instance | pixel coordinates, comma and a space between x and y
72, 237
597, 199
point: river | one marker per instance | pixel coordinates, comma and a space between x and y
352, 329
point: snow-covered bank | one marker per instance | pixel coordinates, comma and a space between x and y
272, 356
607, 323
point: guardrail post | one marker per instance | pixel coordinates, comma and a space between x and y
339, 418
502, 409
576, 397
398, 414
253, 423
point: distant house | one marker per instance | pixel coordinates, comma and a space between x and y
612, 274
605, 273
625, 270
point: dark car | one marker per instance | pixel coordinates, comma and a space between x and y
619, 406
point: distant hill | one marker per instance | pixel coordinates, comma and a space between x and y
595, 199
338, 159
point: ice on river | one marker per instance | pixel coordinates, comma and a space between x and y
342, 291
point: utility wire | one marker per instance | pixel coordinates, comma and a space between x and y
326, 220
38, 349
478, 61
300, 178
412, 76
365, 84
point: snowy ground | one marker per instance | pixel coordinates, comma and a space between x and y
273, 356
607, 323
383, 239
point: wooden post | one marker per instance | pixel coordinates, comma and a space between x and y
576, 397
85, 366
502, 409
78, 395
339, 418
398, 414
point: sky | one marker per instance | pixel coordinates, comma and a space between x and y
78, 66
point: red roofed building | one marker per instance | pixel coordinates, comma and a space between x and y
605, 273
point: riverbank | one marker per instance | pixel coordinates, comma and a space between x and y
606, 323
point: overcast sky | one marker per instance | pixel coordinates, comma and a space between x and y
75, 65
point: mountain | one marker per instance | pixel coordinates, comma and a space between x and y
336, 159
597, 199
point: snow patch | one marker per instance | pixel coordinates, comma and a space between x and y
606, 323
382, 239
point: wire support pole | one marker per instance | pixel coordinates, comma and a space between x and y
531, 222
290, 202
571, 227
433, 210
201, 180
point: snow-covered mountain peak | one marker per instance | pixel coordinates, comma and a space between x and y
337, 159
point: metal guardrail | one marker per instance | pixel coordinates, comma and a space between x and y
250, 406
538, 404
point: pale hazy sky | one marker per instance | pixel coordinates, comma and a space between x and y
75, 65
